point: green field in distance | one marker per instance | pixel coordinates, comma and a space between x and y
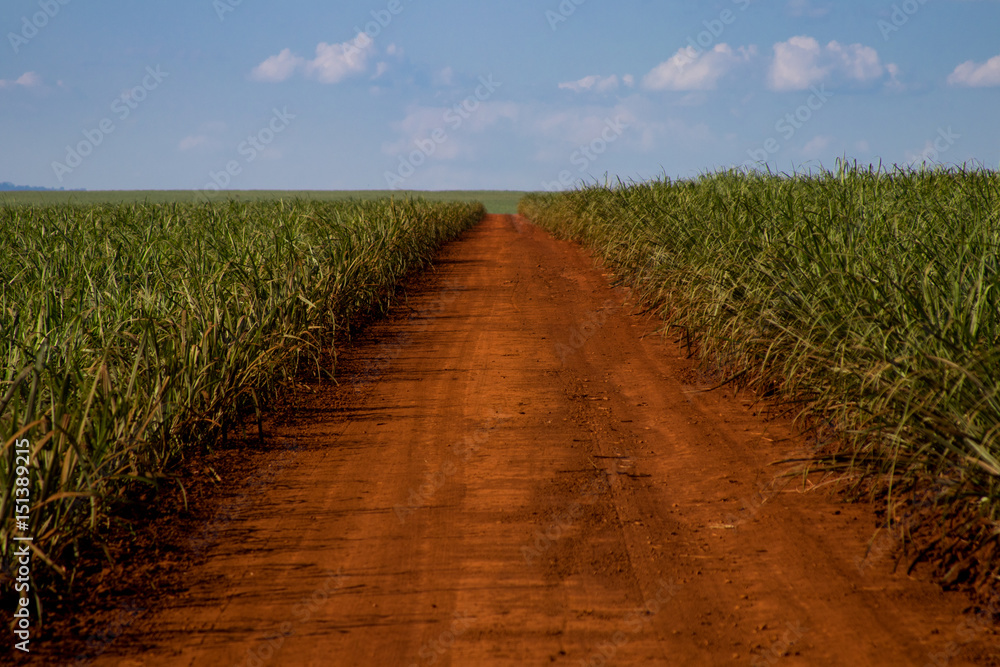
496, 201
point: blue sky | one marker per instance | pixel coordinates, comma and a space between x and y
370, 94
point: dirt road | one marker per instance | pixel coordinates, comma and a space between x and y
527, 476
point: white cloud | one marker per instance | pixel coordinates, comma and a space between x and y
894, 84
595, 83
690, 70
796, 64
444, 77
29, 80
26, 80
333, 62
336, 62
801, 62
856, 61
975, 75
598, 84
277, 68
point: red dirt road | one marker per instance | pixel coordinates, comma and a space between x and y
528, 477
